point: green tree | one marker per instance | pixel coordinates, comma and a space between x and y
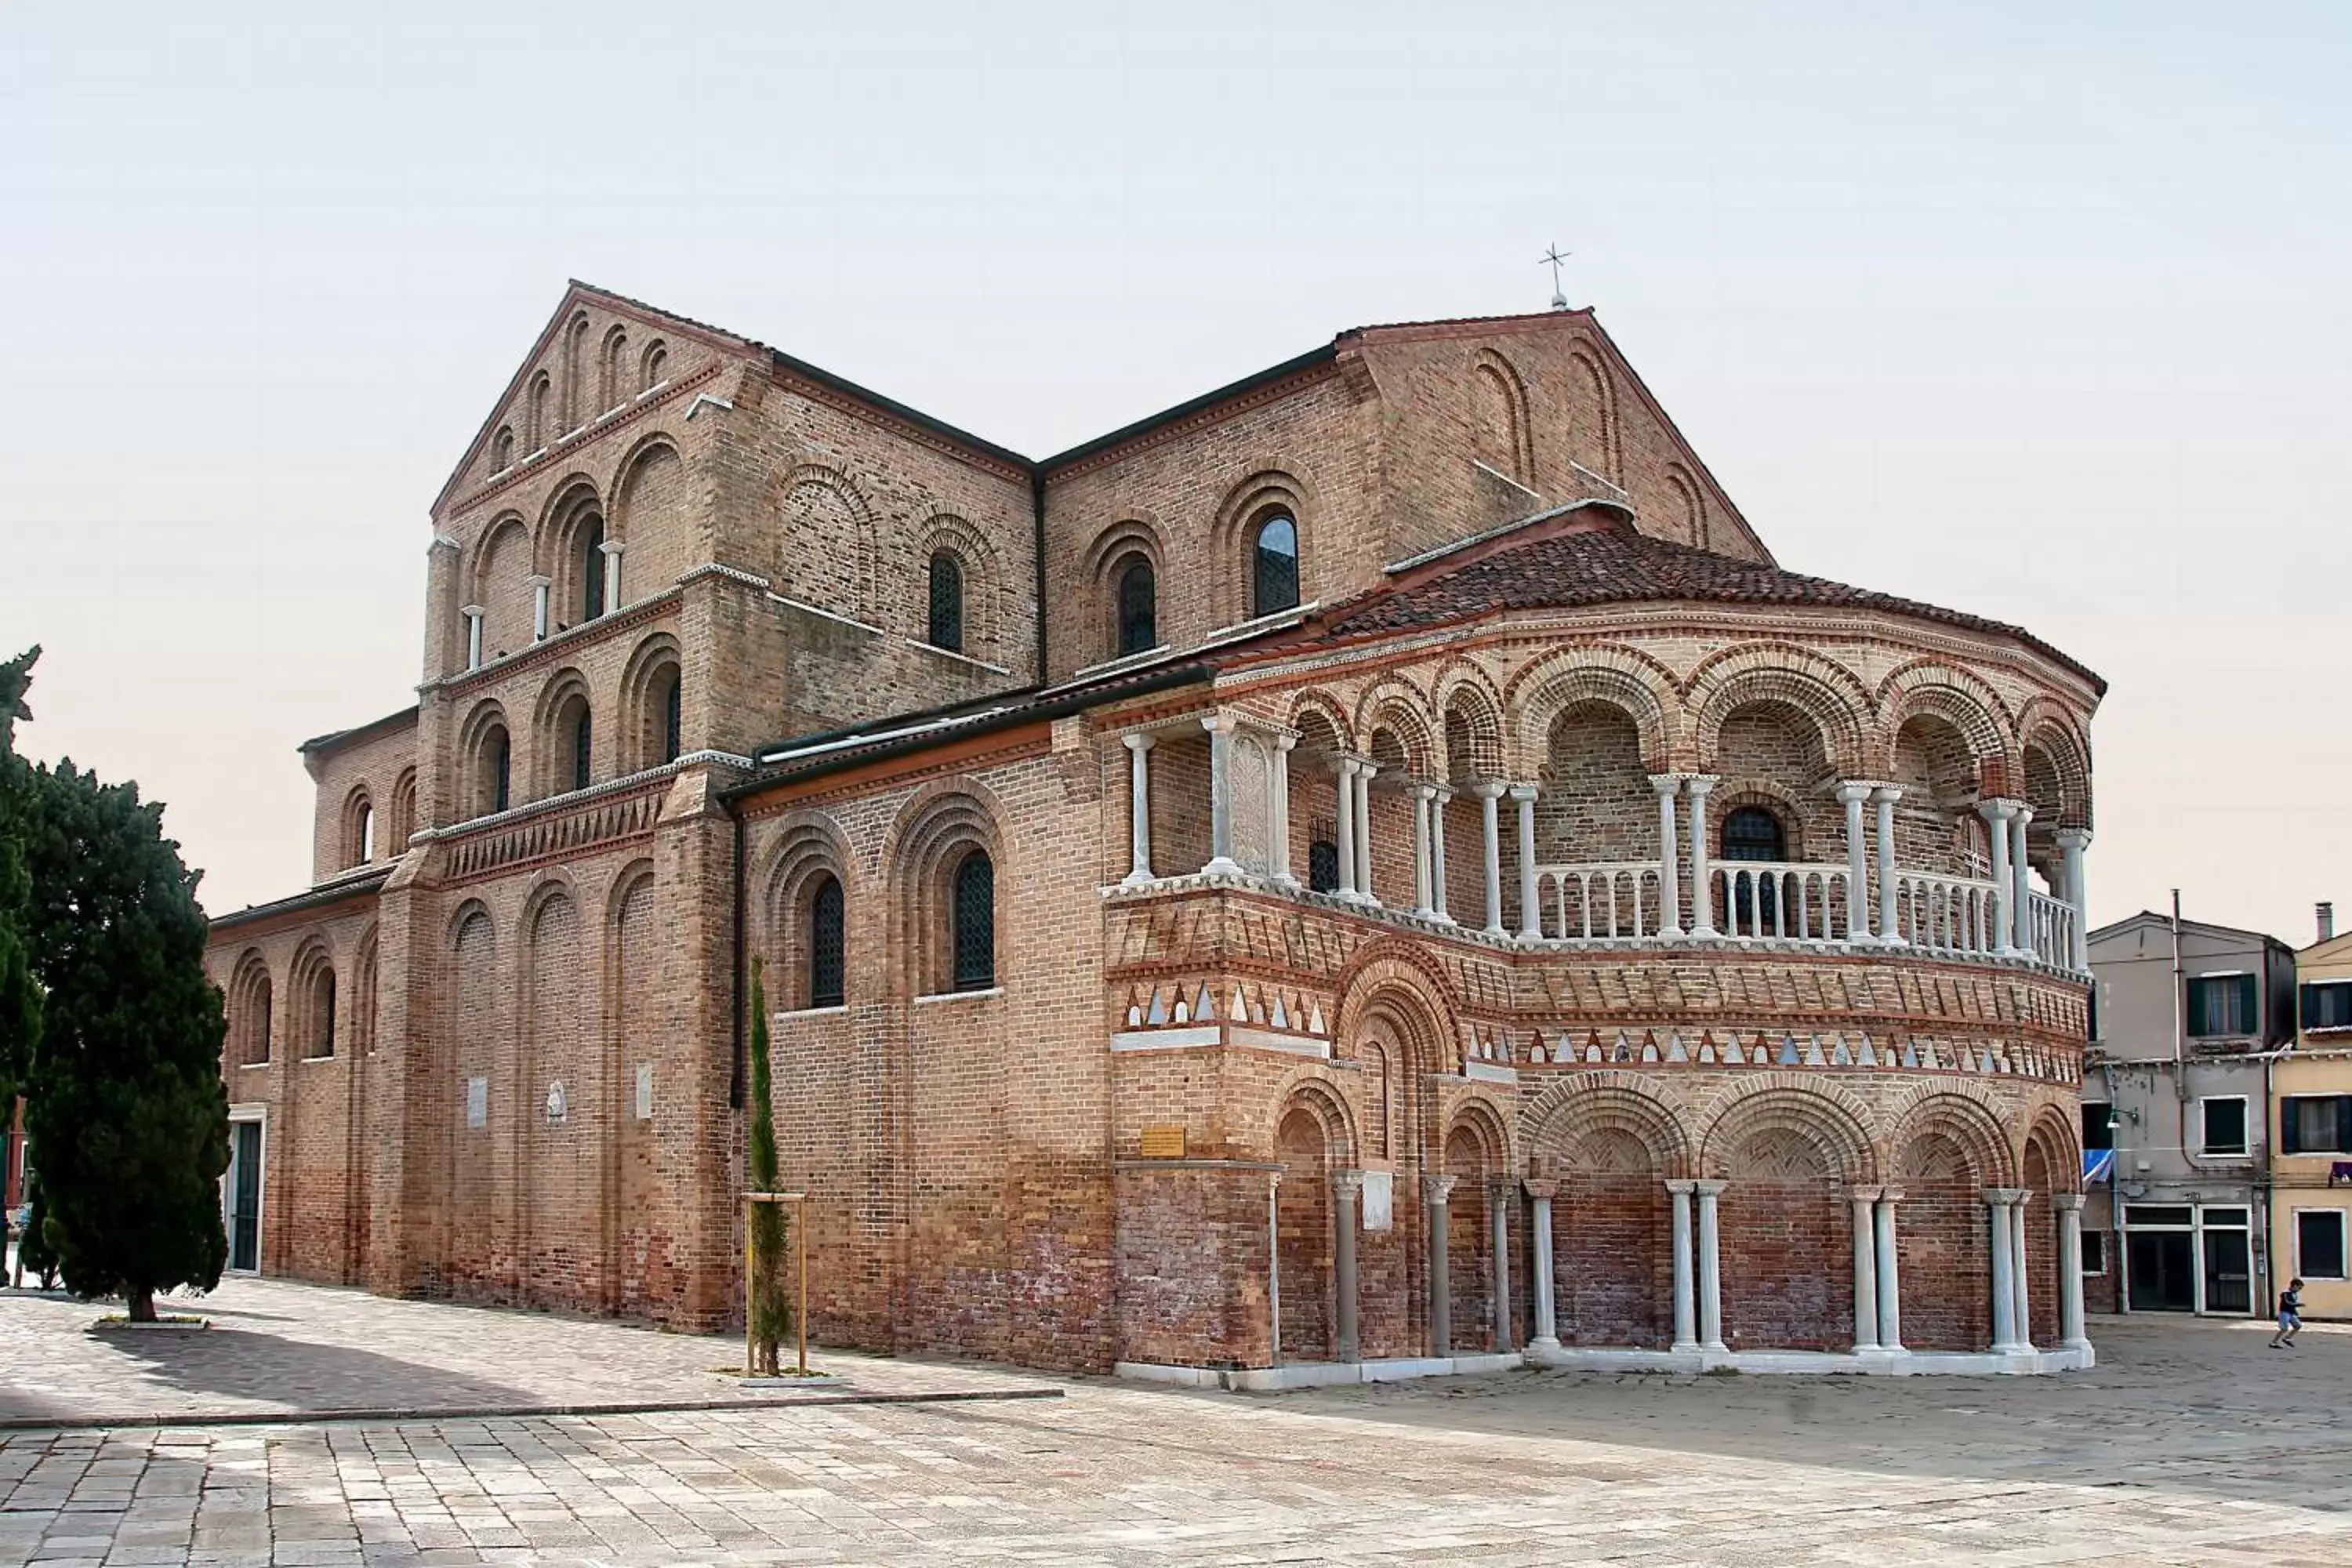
33, 1254
20, 995
770, 1303
127, 1114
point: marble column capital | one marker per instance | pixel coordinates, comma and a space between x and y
2006, 1196
1138, 740
1997, 806
1668, 786
2064, 1201
1498, 1188
1522, 791
1487, 789
539, 580
1854, 792
1890, 1195
1865, 1194
1437, 1189
473, 612
1710, 1187
1680, 1184
1283, 739
1220, 722
1699, 785
1885, 793
1542, 1188
2077, 838
1348, 1182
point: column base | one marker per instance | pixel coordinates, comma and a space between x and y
1137, 880
1544, 1342
1221, 866
1496, 930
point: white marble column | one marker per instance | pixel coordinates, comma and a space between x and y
1347, 1187
1997, 814
1435, 1191
1685, 1295
2072, 842
1865, 1269
613, 549
1221, 727
1884, 796
1487, 791
472, 613
540, 587
1710, 1266
1343, 774
1857, 862
2020, 1272
1540, 1195
1890, 1284
1997, 1201
1439, 795
1500, 1192
1422, 795
1139, 808
2069, 1270
1278, 812
1670, 913
1531, 912
1702, 922
1365, 771
2020, 875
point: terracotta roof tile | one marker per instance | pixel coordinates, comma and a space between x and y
1607, 566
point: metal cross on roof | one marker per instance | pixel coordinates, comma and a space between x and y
1557, 257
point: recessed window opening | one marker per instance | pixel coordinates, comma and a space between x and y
975, 922
1274, 559
827, 948
1139, 609
591, 572
946, 626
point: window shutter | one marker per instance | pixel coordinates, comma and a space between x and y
2344, 1123
2308, 1007
2249, 1019
2197, 1008
2290, 1126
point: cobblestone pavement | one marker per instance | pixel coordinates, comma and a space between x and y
2192, 1444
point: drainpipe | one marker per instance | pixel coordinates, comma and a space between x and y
736, 1067
2179, 1039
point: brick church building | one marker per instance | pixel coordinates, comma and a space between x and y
1372, 869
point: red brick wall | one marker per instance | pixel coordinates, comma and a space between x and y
1612, 1259
1943, 1252
1786, 1250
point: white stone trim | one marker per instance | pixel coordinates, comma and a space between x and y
821, 612
951, 653
1168, 1039
930, 997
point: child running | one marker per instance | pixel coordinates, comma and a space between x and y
2290, 1316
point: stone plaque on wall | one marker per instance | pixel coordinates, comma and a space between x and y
1379, 1200
1163, 1142
644, 1092
477, 1101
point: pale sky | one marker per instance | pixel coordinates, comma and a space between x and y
2034, 311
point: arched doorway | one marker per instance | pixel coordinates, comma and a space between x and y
1302, 1239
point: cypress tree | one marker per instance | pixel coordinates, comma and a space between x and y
770, 1305
126, 1112
20, 997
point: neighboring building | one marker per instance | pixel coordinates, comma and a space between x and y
1373, 863
2311, 1165
2189, 1018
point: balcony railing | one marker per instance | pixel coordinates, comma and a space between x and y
1784, 901
1948, 914
1601, 898
2052, 924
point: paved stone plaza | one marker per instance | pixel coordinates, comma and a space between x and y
2192, 1443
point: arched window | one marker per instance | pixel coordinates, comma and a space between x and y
1139, 608
825, 946
366, 834
1323, 866
403, 810
947, 603
975, 922
578, 735
673, 717
1752, 833
538, 432
1277, 565
322, 1014
612, 373
656, 359
502, 449
591, 572
498, 756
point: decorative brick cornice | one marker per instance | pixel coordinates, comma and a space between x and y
556, 649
